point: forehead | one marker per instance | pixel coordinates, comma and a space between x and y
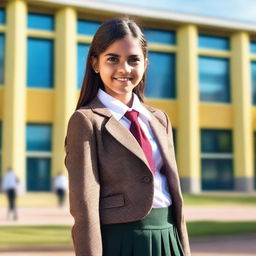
125, 46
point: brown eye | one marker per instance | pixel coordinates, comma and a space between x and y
112, 59
134, 59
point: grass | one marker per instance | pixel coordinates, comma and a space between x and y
220, 199
15, 236
25, 236
216, 228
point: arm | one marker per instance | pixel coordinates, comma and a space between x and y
181, 223
84, 188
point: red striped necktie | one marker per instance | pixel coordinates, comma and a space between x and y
140, 136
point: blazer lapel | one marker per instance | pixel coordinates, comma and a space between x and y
160, 134
118, 131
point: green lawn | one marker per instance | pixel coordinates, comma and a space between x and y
220, 199
215, 228
12, 236
60, 235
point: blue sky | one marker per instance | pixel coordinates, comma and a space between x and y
243, 10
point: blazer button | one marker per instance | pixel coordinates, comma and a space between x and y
146, 179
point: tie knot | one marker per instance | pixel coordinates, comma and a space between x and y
132, 115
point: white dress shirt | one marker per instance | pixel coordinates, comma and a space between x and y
162, 197
60, 182
10, 181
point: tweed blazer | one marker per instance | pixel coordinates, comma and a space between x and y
109, 177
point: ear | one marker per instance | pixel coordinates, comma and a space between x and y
95, 64
145, 64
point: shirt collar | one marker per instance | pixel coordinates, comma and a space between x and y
118, 109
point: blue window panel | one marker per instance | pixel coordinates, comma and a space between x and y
2, 16
161, 76
214, 79
160, 36
38, 137
253, 47
82, 52
216, 141
40, 21
217, 174
38, 174
253, 78
40, 63
85, 27
1, 59
214, 42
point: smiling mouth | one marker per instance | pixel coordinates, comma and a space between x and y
123, 79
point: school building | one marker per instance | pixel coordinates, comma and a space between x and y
202, 72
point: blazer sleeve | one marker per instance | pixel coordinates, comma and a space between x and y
84, 187
181, 223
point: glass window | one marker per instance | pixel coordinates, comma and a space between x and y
2, 16
217, 174
1, 58
217, 160
38, 137
40, 73
253, 47
40, 21
214, 42
38, 174
214, 79
160, 36
216, 141
85, 27
161, 75
82, 52
253, 78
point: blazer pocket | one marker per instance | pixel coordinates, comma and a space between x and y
112, 201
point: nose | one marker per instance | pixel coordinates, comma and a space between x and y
124, 67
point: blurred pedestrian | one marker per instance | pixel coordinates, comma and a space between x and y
60, 187
10, 187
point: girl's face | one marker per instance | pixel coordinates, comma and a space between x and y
121, 68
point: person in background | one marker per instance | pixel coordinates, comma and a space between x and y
10, 185
60, 187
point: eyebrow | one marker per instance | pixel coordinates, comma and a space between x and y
116, 55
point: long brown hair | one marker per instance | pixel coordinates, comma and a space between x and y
108, 33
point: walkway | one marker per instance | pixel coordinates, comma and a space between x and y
61, 216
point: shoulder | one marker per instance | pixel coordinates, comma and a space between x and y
159, 114
79, 122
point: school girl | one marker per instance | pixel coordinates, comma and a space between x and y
124, 188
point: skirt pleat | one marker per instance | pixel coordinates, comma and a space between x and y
126, 246
156, 246
154, 235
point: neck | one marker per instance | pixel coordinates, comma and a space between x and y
126, 99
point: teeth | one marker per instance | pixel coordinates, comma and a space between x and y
123, 79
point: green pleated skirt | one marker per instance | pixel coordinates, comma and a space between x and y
154, 235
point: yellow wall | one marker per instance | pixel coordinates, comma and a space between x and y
40, 106
20, 105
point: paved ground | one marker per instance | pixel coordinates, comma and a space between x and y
242, 245
60, 216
